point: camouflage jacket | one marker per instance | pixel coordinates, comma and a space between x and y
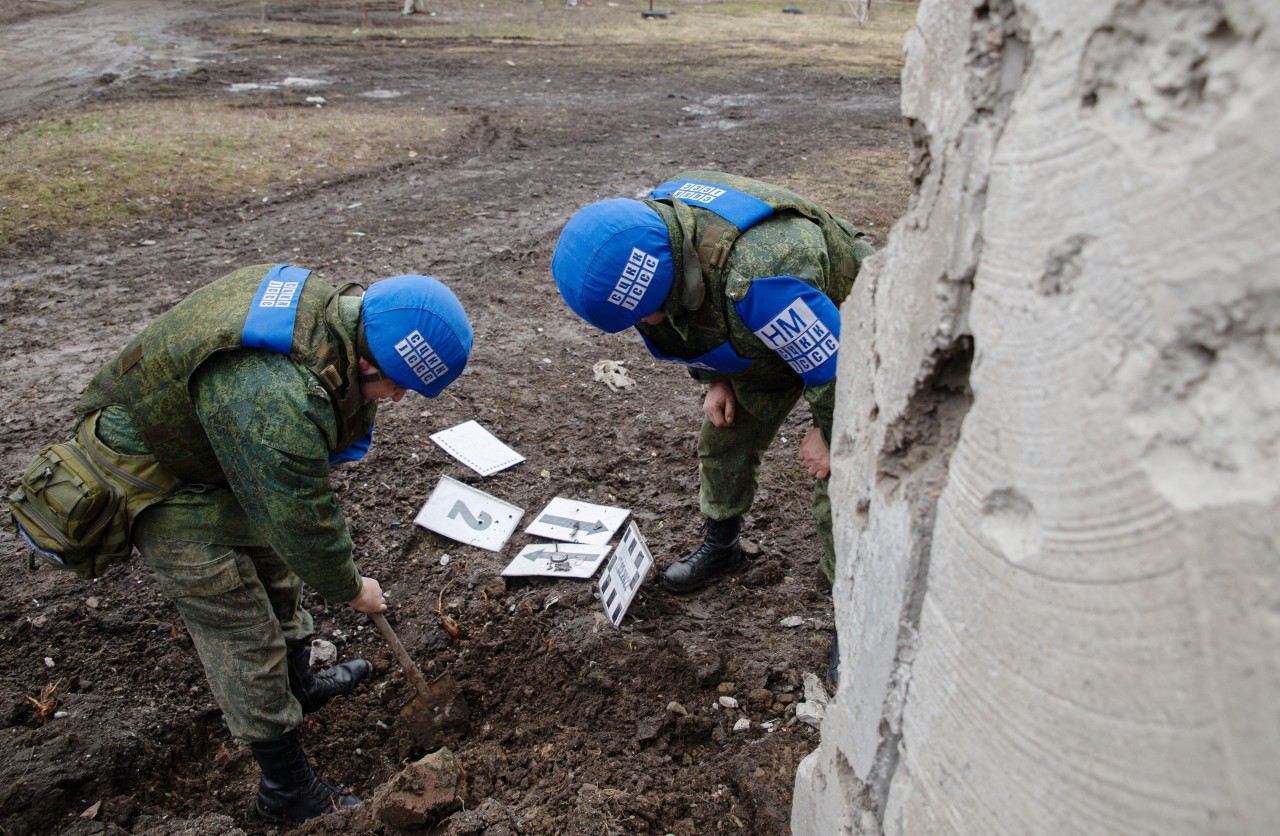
271, 425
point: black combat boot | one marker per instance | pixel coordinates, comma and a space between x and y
314, 690
720, 551
289, 790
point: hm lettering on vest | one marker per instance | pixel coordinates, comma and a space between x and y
697, 193
421, 359
800, 338
635, 280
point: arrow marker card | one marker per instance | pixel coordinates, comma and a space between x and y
557, 560
470, 516
624, 573
577, 522
477, 448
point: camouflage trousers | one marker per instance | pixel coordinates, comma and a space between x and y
243, 608
729, 461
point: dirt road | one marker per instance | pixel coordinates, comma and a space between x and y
579, 727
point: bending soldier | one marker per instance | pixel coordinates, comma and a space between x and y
741, 281
237, 402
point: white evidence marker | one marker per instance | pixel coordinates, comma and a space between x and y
463, 513
624, 573
577, 522
557, 560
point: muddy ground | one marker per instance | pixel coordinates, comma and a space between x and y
573, 728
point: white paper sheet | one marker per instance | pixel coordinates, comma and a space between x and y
462, 513
477, 448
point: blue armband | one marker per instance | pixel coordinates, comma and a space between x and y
798, 322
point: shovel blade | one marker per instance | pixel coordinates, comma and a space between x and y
434, 720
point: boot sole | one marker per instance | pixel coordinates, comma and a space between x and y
270, 816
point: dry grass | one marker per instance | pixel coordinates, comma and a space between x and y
758, 33
868, 187
110, 165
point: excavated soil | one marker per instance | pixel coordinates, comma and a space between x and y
106, 722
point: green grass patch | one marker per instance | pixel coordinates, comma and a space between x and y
114, 165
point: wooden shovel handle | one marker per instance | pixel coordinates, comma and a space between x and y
406, 662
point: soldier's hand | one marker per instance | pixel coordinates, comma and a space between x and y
719, 404
814, 454
370, 599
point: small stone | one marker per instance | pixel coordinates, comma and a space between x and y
742, 725
92, 602
676, 708
811, 713
323, 653
726, 687
792, 621
422, 794
728, 702
48, 661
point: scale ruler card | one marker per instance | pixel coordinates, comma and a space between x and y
578, 522
463, 513
557, 560
477, 448
624, 573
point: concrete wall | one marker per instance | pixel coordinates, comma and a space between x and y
1058, 442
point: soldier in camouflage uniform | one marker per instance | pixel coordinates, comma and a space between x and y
246, 393
741, 281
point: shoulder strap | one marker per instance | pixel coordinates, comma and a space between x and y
694, 289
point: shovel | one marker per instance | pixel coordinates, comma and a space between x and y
438, 709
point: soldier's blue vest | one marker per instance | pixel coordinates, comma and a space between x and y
795, 320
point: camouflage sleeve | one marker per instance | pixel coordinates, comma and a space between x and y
271, 426
785, 246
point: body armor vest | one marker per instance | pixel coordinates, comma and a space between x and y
711, 210
151, 376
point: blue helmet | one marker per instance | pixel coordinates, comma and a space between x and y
613, 263
417, 332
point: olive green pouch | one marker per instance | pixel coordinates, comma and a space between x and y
77, 498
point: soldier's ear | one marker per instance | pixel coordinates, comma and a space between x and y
369, 373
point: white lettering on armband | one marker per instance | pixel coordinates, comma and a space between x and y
799, 337
279, 294
697, 193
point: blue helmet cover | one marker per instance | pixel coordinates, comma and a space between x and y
417, 332
613, 263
